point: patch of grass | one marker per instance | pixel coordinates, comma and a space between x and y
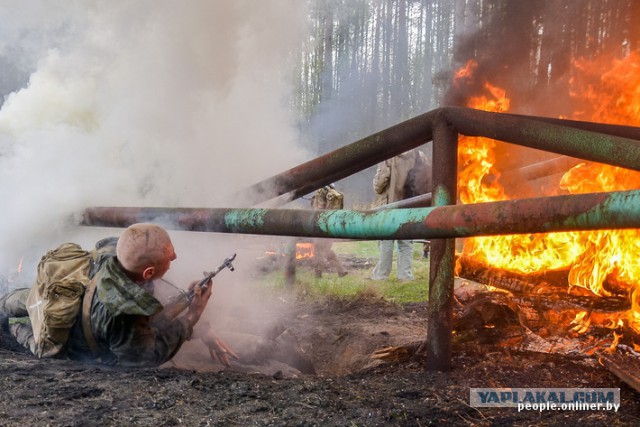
362, 249
358, 282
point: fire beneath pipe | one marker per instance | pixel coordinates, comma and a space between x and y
615, 210
542, 169
545, 135
610, 144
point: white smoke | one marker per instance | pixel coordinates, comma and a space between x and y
145, 103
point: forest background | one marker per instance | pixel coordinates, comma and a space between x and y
368, 64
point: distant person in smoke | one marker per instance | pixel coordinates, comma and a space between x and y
327, 197
397, 179
122, 322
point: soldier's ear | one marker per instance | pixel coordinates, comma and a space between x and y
148, 273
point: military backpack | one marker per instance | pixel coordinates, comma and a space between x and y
55, 300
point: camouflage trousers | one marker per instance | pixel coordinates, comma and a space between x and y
325, 258
14, 305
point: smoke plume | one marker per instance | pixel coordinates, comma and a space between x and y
146, 103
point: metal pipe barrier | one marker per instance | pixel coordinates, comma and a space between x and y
441, 223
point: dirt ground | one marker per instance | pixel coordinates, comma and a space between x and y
348, 388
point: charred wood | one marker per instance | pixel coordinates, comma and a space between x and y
550, 289
625, 367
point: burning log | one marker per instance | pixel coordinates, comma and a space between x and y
548, 288
493, 317
472, 269
487, 318
541, 317
498, 318
543, 302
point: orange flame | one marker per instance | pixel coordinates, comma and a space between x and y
303, 250
610, 93
466, 71
616, 341
581, 322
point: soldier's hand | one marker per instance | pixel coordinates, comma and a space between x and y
200, 300
219, 350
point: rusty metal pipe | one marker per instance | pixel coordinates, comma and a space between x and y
541, 169
521, 180
572, 142
421, 201
345, 161
571, 138
441, 259
537, 215
562, 213
630, 132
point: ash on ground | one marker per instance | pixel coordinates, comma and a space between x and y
348, 388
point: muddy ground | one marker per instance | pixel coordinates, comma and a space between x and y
348, 389
312, 366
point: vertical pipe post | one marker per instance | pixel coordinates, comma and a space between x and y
290, 263
439, 329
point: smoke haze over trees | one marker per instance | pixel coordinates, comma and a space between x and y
369, 64
105, 81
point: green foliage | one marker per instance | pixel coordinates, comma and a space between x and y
357, 282
362, 248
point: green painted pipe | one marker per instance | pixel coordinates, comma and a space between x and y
538, 215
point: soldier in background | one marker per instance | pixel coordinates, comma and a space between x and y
399, 178
327, 197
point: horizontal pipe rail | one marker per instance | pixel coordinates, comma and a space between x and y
423, 200
570, 141
345, 161
536, 215
610, 144
630, 132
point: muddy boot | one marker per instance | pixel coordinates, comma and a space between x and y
4, 324
8, 340
23, 336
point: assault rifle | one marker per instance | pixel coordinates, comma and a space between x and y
178, 304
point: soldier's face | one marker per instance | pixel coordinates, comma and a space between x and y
164, 264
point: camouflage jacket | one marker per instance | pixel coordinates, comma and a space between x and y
122, 322
327, 198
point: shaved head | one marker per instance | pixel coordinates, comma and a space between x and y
144, 245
